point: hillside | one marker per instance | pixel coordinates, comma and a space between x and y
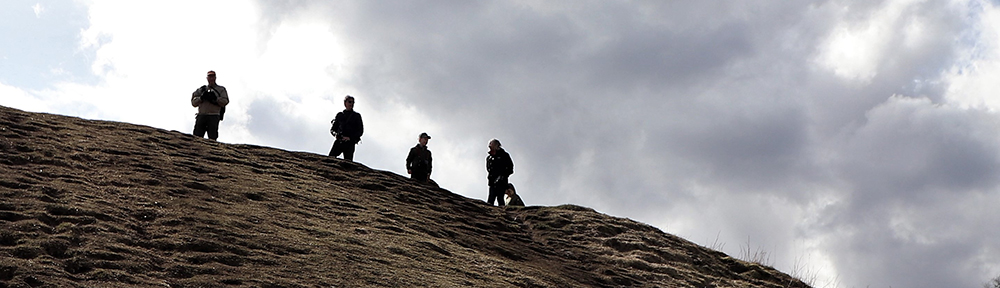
106, 204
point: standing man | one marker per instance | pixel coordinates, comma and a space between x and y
499, 166
418, 162
211, 101
347, 129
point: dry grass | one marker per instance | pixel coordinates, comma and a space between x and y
756, 255
106, 204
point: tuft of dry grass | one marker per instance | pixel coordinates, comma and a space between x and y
755, 254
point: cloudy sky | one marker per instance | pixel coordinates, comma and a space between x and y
854, 141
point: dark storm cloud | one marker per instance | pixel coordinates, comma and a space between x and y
753, 151
911, 146
546, 79
624, 106
557, 83
914, 166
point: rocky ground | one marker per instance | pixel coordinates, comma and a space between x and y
105, 204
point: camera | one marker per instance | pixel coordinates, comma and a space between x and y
210, 96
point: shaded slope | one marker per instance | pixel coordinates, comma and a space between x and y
104, 204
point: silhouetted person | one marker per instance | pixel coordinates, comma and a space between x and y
499, 166
418, 162
347, 129
211, 101
515, 200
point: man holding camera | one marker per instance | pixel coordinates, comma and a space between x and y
211, 101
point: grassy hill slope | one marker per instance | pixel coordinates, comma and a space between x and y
105, 204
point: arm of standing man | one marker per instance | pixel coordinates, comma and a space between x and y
409, 161
361, 129
196, 97
509, 164
354, 121
489, 174
223, 99
335, 125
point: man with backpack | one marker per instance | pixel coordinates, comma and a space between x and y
347, 129
499, 166
418, 162
211, 101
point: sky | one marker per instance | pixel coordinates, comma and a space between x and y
852, 143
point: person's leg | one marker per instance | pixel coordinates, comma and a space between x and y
489, 199
499, 194
336, 149
419, 175
349, 151
212, 126
199, 126
496, 192
501, 191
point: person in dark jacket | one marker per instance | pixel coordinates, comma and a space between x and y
347, 129
515, 200
499, 167
418, 162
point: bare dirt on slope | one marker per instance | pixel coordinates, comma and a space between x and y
105, 204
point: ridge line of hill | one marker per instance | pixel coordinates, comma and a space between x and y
89, 203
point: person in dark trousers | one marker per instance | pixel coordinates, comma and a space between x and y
211, 101
499, 167
515, 200
418, 162
347, 129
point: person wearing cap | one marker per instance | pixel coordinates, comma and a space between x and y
418, 162
211, 101
499, 167
512, 198
347, 129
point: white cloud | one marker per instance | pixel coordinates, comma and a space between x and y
973, 80
840, 136
17, 98
38, 9
861, 41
